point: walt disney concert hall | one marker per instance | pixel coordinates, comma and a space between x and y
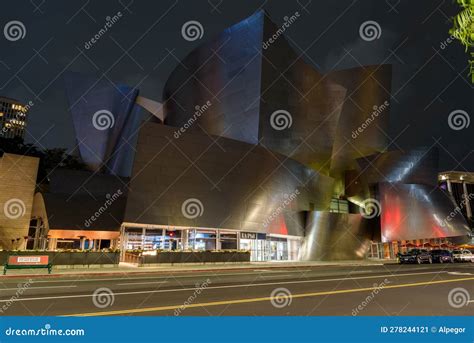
250, 147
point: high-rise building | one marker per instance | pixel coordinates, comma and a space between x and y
12, 118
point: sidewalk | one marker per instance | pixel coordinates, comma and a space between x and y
125, 268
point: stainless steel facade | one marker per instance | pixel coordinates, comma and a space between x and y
220, 146
240, 186
336, 236
226, 71
414, 211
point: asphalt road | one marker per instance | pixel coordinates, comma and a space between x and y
391, 290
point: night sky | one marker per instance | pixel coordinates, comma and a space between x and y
430, 75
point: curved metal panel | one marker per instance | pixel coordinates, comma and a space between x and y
335, 236
240, 186
105, 121
364, 118
413, 211
225, 73
414, 166
313, 103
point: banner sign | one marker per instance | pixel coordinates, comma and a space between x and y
28, 260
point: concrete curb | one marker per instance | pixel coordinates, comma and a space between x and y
189, 270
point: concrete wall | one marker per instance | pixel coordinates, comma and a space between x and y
17, 187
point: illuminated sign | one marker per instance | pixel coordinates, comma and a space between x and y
463, 30
248, 235
28, 260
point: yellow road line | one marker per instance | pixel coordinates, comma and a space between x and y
251, 300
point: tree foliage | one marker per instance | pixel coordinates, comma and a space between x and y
50, 159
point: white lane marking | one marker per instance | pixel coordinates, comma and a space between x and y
220, 287
14, 289
125, 278
274, 276
459, 273
140, 283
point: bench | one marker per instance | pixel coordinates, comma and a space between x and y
27, 262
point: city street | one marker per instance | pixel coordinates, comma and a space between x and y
386, 290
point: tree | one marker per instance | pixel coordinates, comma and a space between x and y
50, 159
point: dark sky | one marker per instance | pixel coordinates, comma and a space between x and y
429, 82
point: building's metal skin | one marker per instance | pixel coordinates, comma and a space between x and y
261, 141
226, 72
106, 122
414, 166
334, 125
240, 186
414, 211
336, 236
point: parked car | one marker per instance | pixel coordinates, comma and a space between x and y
463, 256
415, 256
442, 256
